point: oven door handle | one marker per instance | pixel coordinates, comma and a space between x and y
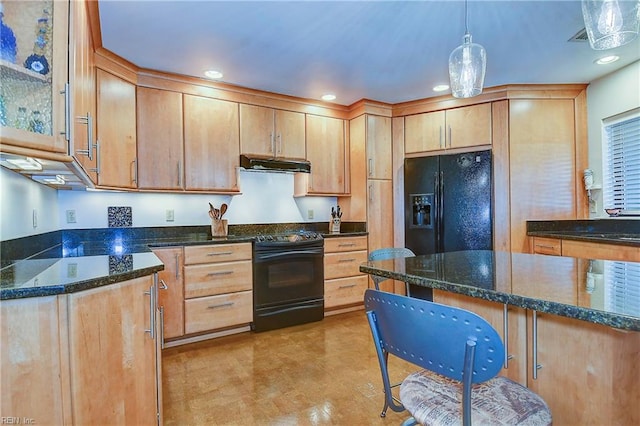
286, 254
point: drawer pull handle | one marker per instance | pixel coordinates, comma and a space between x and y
222, 305
346, 244
212, 274
222, 253
545, 246
347, 286
346, 260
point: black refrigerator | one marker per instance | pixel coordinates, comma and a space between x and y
448, 204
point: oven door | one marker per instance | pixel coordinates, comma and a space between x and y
282, 275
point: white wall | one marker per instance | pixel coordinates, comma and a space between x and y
610, 95
20, 197
266, 198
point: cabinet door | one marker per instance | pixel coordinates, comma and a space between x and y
424, 132
116, 127
25, 88
514, 335
289, 134
83, 88
469, 126
588, 372
112, 355
160, 143
542, 157
211, 144
171, 299
378, 147
326, 150
380, 214
256, 130
31, 363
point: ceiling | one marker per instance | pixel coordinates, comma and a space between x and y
391, 51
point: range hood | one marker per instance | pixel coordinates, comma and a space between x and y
265, 163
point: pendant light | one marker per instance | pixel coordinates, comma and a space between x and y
467, 64
611, 23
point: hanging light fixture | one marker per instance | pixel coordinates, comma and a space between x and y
611, 23
467, 64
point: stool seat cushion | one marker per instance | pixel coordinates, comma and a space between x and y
433, 399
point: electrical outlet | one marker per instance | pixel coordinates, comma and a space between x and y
593, 206
72, 270
169, 215
71, 216
34, 218
310, 214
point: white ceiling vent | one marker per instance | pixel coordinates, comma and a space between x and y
580, 36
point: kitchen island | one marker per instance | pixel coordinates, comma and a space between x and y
571, 326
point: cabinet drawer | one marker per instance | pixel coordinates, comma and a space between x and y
217, 253
217, 278
551, 246
345, 291
210, 313
337, 244
338, 265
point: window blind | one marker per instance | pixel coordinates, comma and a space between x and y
622, 291
621, 168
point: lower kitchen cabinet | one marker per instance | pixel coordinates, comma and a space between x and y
171, 291
113, 354
587, 373
584, 249
218, 287
344, 284
33, 376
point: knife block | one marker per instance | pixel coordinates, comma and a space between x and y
334, 226
219, 227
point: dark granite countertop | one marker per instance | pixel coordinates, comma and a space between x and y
598, 291
75, 260
608, 231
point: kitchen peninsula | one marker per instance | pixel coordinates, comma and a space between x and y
571, 326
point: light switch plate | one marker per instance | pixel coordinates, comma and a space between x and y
169, 216
71, 216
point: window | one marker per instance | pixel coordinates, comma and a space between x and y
622, 292
621, 156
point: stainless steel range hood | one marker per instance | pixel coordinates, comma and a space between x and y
265, 163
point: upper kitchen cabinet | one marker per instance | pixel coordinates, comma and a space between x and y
83, 88
272, 132
327, 150
211, 144
33, 69
378, 142
453, 128
160, 139
116, 131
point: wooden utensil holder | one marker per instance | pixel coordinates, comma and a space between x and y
219, 227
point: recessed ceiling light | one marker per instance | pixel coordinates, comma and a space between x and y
440, 87
213, 74
329, 97
607, 59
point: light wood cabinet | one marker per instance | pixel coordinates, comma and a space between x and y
551, 246
218, 281
380, 213
31, 90
591, 250
272, 132
171, 298
116, 131
588, 372
113, 354
33, 374
160, 139
453, 128
542, 164
344, 284
211, 144
83, 87
378, 138
327, 150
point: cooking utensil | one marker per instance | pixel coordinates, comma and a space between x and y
223, 210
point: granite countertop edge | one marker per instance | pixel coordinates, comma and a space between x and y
588, 237
599, 317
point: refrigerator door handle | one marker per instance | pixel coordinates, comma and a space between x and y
436, 213
440, 212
